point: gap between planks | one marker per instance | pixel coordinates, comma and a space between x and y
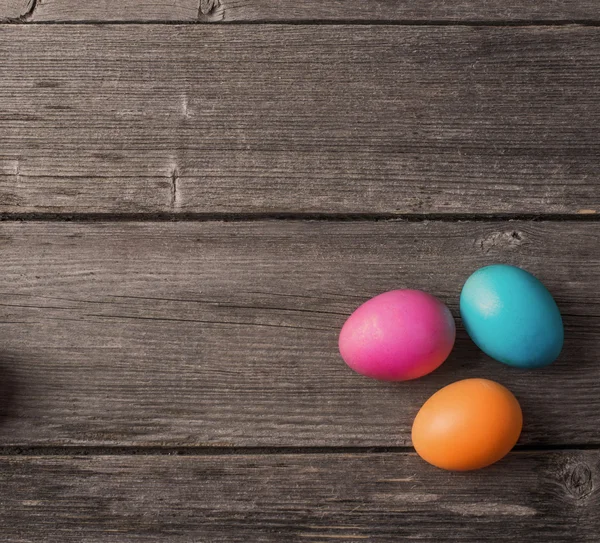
313, 22
583, 215
250, 451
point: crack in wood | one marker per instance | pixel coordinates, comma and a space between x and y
174, 195
224, 323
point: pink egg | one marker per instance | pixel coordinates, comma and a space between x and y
398, 335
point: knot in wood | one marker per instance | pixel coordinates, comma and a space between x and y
501, 241
208, 6
579, 481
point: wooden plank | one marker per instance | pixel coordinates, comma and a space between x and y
315, 10
15, 9
118, 10
317, 119
534, 497
226, 333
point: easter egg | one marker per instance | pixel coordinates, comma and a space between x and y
398, 335
467, 425
511, 316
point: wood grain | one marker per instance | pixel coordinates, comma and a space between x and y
225, 334
551, 497
288, 119
11, 10
316, 10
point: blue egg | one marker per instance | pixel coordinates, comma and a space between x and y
512, 317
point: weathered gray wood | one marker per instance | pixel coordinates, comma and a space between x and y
226, 333
346, 119
315, 10
533, 497
11, 10
118, 10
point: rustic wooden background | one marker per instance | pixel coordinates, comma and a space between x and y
192, 208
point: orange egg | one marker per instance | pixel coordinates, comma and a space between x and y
467, 425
